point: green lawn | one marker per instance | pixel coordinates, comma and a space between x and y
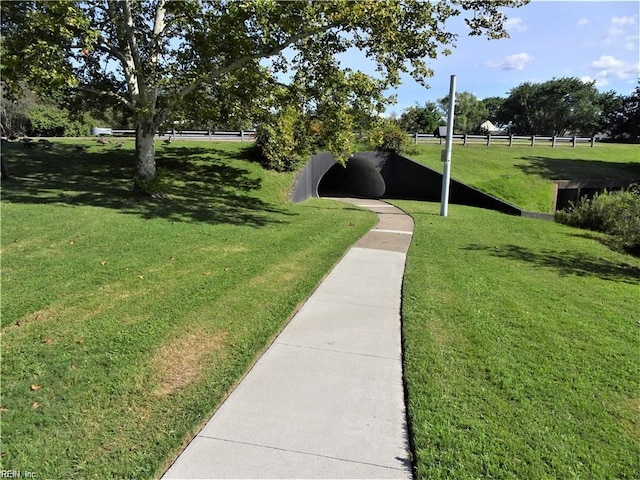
523, 175
522, 349
126, 322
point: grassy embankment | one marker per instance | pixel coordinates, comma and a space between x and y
125, 322
521, 336
524, 176
522, 349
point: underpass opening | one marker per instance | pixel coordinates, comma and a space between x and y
358, 178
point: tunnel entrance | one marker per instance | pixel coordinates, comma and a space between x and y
357, 179
376, 175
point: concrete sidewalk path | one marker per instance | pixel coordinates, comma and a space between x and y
326, 400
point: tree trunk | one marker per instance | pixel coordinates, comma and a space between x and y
145, 176
5, 168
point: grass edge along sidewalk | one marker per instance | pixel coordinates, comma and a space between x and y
87, 350
520, 348
126, 322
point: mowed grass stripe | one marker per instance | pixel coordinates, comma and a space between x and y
524, 175
125, 323
521, 349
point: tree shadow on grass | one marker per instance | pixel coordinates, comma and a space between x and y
206, 187
566, 262
578, 169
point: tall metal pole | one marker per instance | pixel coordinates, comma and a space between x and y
446, 174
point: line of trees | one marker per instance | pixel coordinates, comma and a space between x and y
557, 107
162, 61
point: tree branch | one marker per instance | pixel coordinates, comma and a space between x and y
248, 58
108, 93
108, 48
125, 52
131, 38
158, 31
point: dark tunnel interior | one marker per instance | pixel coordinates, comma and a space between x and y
357, 179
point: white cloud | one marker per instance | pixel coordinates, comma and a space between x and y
607, 62
600, 82
515, 24
617, 27
631, 42
582, 22
516, 61
623, 21
614, 32
608, 66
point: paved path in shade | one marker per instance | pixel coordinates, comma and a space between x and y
326, 400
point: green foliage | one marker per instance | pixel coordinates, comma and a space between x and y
280, 141
337, 136
51, 121
13, 113
286, 138
493, 105
228, 56
469, 112
421, 119
47, 121
554, 107
616, 213
387, 136
622, 116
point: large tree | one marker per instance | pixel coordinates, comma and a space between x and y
424, 119
621, 116
493, 105
159, 57
556, 107
469, 112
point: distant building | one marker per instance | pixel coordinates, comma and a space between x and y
490, 128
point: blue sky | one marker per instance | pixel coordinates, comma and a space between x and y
592, 40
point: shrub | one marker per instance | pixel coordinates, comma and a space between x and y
389, 137
47, 121
280, 142
51, 121
615, 213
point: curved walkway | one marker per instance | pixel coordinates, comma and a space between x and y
326, 400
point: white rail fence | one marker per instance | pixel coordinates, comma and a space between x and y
510, 140
239, 135
249, 135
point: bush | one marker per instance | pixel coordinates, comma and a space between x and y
47, 121
280, 142
389, 137
51, 121
615, 213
